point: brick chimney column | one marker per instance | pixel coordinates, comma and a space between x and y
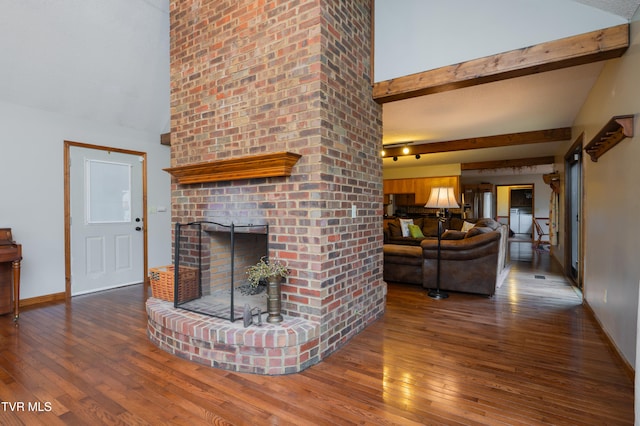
260, 76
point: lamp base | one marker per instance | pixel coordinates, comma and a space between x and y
437, 294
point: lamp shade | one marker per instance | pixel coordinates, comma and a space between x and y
442, 198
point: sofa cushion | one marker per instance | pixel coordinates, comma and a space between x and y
405, 241
488, 222
451, 234
455, 223
415, 231
394, 230
402, 254
430, 227
477, 230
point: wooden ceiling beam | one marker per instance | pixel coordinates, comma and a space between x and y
501, 164
510, 139
581, 49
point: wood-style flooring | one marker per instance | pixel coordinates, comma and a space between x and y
530, 355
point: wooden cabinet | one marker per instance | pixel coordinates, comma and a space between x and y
10, 257
405, 199
421, 187
398, 186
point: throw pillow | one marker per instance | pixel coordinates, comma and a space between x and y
466, 226
404, 224
415, 231
430, 227
418, 221
455, 223
395, 230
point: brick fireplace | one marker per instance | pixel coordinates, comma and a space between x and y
281, 78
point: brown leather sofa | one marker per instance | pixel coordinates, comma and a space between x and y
474, 264
471, 262
402, 263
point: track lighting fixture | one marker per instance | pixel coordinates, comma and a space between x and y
398, 150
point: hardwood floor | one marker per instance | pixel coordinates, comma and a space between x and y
530, 355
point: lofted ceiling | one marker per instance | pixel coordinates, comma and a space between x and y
101, 61
540, 101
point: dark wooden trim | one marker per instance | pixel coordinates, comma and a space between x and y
510, 139
581, 49
501, 164
39, 300
576, 148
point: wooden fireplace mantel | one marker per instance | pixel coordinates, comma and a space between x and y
249, 167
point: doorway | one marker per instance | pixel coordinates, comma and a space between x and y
516, 208
105, 216
573, 211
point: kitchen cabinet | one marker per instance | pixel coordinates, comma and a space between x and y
405, 199
423, 187
398, 186
420, 187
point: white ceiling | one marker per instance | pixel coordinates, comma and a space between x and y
109, 62
537, 102
104, 61
623, 8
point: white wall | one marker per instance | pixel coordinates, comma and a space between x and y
612, 202
421, 171
455, 34
32, 188
105, 61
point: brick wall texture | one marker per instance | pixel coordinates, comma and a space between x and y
262, 76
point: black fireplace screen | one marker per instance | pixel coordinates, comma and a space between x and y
211, 261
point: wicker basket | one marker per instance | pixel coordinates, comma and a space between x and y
162, 283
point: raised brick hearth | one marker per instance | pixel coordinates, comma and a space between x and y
288, 347
278, 76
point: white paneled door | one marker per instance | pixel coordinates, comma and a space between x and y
107, 242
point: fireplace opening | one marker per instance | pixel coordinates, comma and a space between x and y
211, 261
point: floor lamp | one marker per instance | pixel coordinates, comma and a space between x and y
440, 198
